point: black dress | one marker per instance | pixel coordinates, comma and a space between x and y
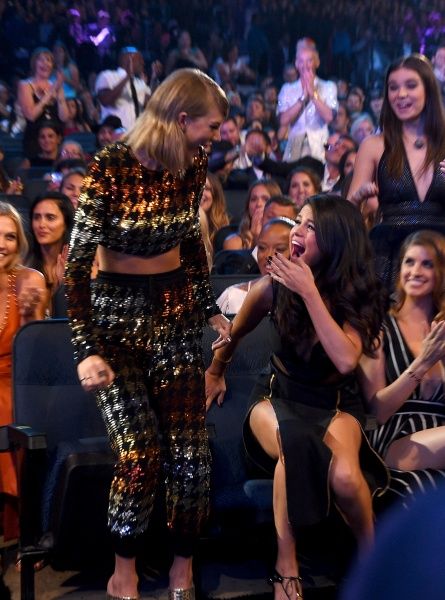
306, 397
402, 213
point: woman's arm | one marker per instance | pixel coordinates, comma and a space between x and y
342, 345
32, 110
254, 308
363, 184
384, 400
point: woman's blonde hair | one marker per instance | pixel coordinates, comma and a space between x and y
7, 210
157, 132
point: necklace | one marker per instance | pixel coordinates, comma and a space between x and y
419, 143
10, 291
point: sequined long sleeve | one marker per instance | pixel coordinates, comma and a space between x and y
84, 240
194, 259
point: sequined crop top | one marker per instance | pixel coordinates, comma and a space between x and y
130, 209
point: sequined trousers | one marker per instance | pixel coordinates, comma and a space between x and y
149, 331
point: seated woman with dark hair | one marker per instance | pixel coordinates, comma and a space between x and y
52, 218
274, 237
49, 139
306, 428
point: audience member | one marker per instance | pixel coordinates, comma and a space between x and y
49, 138
250, 224
40, 100
302, 182
65, 65
342, 120
71, 185
312, 398
401, 164
336, 146
274, 237
76, 120
185, 55
123, 92
404, 384
108, 131
23, 296
362, 127
307, 106
213, 204
52, 218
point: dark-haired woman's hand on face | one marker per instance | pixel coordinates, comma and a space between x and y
296, 275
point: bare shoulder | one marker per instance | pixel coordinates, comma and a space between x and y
373, 145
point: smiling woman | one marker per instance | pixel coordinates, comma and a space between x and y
137, 334
404, 383
22, 299
306, 420
402, 164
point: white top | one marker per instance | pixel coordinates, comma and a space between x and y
124, 106
309, 122
232, 298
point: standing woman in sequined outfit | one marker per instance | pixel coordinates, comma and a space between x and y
137, 333
401, 165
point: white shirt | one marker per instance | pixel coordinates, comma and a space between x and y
309, 122
232, 298
124, 105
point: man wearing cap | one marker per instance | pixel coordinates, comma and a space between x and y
123, 92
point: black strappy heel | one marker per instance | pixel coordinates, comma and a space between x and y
287, 583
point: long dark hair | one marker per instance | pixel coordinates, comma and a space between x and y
433, 114
344, 276
35, 257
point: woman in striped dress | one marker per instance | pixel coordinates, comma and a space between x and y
404, 384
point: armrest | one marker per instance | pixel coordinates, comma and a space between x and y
23, 436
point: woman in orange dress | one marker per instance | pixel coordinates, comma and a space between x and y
22, 299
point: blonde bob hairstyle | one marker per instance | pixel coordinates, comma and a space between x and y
7, 210
157, 132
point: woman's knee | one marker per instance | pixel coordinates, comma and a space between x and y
346, 478
264, 425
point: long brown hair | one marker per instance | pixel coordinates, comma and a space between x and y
435, 243
433, 115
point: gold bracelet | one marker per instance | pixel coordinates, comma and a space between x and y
223, 362
413, 375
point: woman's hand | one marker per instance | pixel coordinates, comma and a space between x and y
223, 327
94, 373
29, 298
60, 266
433, 346
215, 388
256, 222
296, 276
365, 191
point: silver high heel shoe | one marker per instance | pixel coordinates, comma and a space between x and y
181, 594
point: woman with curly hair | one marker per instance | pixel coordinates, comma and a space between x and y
250, 225
306, 427
404, 384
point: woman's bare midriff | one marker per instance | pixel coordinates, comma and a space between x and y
116, 262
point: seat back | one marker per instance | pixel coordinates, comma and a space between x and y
46, 390
70, 496
222, 282
231, 262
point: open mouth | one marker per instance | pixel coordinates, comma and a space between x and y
297, 248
